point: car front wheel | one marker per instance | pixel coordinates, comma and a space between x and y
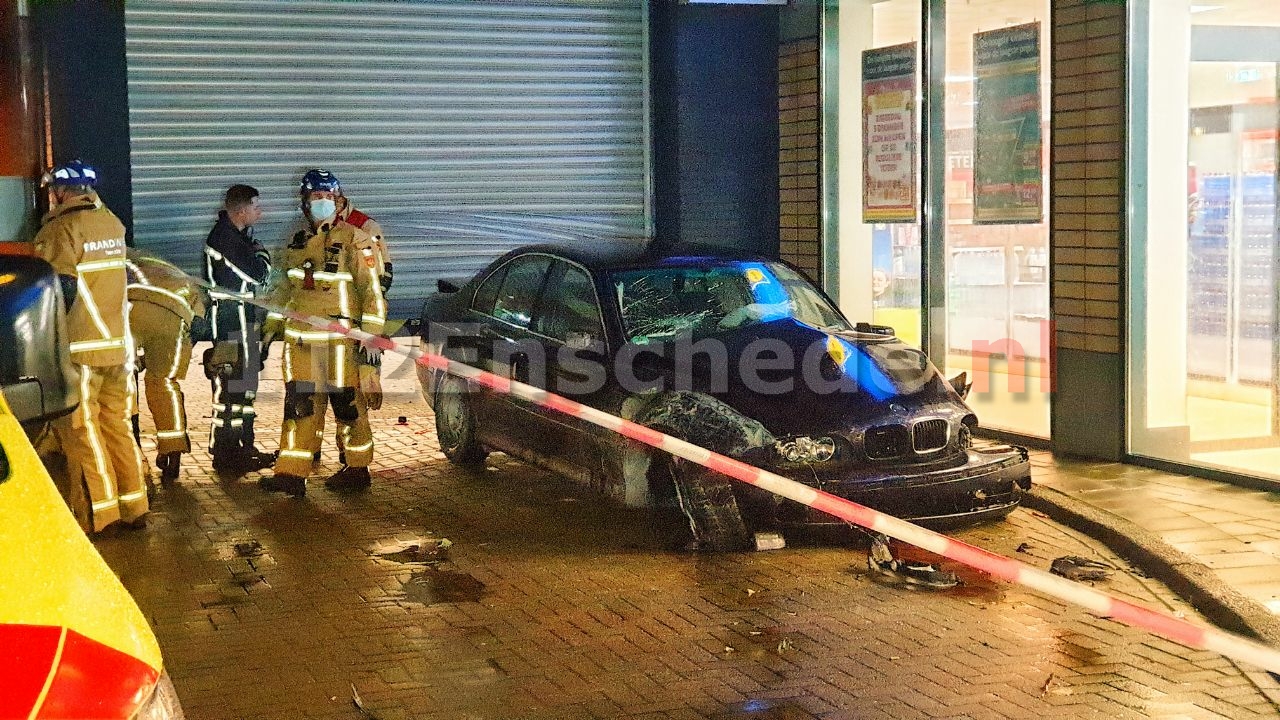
456, 423
708, 500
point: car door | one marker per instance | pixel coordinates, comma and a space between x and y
512, 350
569, 320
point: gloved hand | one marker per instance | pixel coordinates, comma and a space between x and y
272, 329
272, 326
370, 356
371, 385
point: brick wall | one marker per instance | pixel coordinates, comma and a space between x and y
798, 156
1087, 160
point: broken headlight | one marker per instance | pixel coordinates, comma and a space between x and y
806, 450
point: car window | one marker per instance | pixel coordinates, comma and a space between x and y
570, 311
701, 300
520, 288
488, 292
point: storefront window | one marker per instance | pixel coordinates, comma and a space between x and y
995, 231
879, 252
1203, 304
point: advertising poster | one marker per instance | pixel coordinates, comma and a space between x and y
1008, 184
889, 134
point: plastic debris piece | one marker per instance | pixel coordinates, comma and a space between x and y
769, 541
881, 560
1074, 567
359, 703
1024, 547
411, 549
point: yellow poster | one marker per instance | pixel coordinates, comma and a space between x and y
889, 134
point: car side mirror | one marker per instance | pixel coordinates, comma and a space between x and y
866, 327
961, 385
446, 286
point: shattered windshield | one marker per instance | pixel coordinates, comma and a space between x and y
663, 302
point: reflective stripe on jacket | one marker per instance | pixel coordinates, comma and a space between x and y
332, 273
233, 259
83, 239
155, 281
239, 266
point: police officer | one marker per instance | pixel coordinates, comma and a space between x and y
330, 270
162, 303
84, 241
237, 265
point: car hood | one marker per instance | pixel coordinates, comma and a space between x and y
839, 380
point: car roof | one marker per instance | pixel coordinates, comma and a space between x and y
600, 255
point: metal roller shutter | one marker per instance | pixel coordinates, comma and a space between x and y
465, 127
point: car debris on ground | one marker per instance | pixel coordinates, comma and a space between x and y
1074, 567
880, 559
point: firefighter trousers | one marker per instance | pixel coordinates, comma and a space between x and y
166, 349
329, 368
98, 441
322, 410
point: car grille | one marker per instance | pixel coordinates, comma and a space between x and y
887, 441
929, 435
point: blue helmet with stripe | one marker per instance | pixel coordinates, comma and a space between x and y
317, 179
72, 174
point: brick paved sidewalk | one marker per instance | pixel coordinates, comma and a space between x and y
551, 605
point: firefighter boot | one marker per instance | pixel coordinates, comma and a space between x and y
349, 478
169, 464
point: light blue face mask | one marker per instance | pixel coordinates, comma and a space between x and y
322, 209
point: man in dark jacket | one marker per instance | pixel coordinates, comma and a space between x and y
236, 265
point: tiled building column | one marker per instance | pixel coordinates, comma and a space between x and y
798, 167
1087, 220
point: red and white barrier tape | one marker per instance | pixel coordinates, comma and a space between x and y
998, 566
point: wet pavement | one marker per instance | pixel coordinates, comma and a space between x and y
1234, 531
544, 603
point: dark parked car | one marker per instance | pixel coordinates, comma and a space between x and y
740, 355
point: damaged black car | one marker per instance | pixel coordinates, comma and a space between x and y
740, 355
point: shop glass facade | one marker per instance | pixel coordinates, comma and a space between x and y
1203, 268
992, 196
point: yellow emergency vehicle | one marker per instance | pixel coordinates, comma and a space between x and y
73, 644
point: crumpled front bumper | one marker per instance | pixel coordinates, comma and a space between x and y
988, 486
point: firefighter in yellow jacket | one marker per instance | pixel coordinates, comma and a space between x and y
347, 213
84, 242
331, 271
163, 301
